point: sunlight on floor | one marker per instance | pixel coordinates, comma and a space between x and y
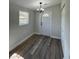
16, 56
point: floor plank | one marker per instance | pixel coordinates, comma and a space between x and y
40, 47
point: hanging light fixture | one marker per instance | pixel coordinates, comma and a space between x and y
40, 9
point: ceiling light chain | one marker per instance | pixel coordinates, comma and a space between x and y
40, 9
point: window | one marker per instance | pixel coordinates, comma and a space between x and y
23, 18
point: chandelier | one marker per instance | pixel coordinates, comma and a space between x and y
40, 9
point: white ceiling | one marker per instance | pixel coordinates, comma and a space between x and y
34, 4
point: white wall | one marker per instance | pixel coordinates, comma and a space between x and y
55, 16
65, 28
18, 33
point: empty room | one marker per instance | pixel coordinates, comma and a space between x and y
39, 29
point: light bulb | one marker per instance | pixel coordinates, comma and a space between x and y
42, 9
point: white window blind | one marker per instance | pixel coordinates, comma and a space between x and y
23, 18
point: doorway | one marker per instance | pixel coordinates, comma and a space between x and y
46, 25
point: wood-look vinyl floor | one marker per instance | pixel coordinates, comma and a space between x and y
40, 47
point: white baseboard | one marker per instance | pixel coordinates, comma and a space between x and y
15, 45
51, 36
37, 33
56, 37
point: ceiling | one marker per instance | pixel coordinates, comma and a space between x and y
34, 4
